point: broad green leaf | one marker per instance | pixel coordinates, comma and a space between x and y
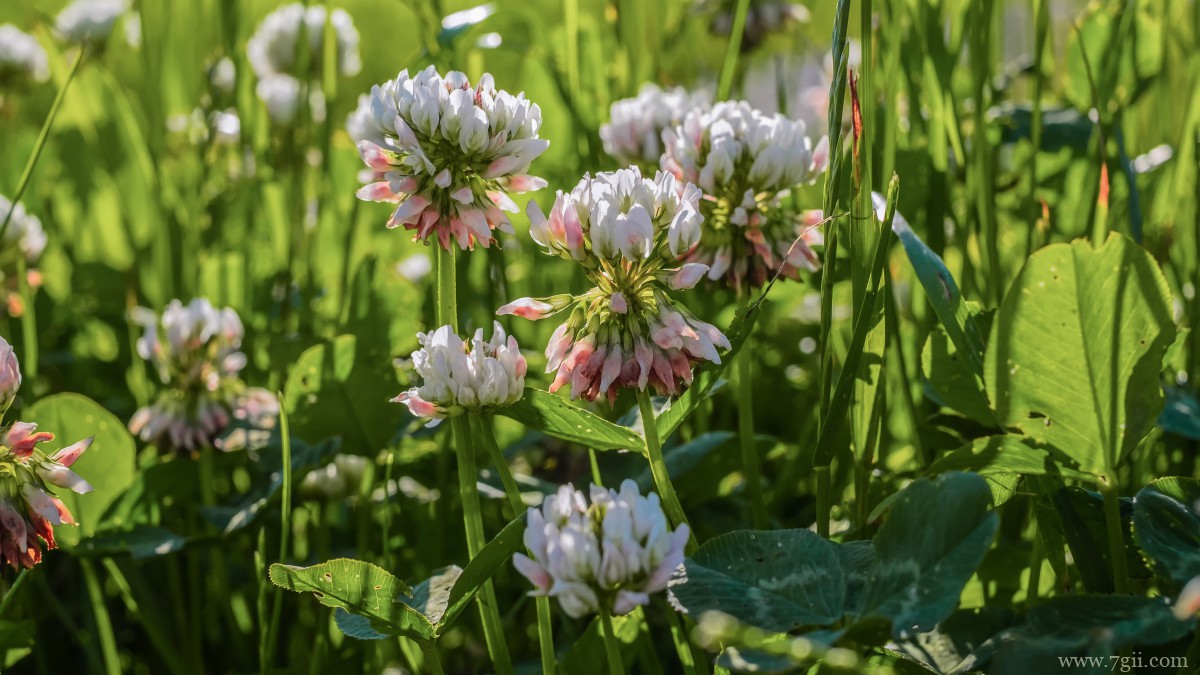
857, 558
16, 640
360, 588
956, 638
1010, 454
108, 465
344, 388
750, 660
356, 626
777, 580
1093, 391
555, 416
1167, 527
1125, 619
935, 535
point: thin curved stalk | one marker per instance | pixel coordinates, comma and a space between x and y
658, 469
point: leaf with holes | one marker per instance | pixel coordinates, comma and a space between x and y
360, 588
1093, 391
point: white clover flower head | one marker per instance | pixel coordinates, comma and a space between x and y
222, 76
458, 375
24, 231
628, 232
273, 49
196, 350
89, 21
795, 86
22, 59
28, 508
360, 124
337, 480
452, 154
746, 162
611, 553
633, 133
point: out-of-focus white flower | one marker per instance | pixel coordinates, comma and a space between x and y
226, 126
1187, 605
746, 162
453, 154
24, 230
22, 59
337, 480
458, 375
10, 375
85, 21
273, 47
196, 350
133, 30
628, 232
633, 134
281, 94
612, 553
415, 267
222, 77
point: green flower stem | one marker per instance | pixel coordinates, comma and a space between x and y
29, 332
689, 655
615, 665
104, 630
12, 590
285, 529
823, 501
545, 627
658, 469
1116, 537
751, 463
433, 662
40, 144
493, 630
1036, 556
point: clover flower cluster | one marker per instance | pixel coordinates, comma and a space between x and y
89, 21
29, 511
337, 480
746, 162
452, 152
274, 55
195, 349
611, 554
633, 134
23, 238
628, 232
22, 59
458, 375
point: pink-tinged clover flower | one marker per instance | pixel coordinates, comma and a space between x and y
28, 508
196, 350
747, 162
611, 553
453, 153
633, 133
628, 233
458, 375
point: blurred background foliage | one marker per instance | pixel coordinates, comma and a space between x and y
142, 206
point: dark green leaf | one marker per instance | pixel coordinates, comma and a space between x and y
777, 580
935, 535
1167, 527
1009, 454
684, 457
142, 541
